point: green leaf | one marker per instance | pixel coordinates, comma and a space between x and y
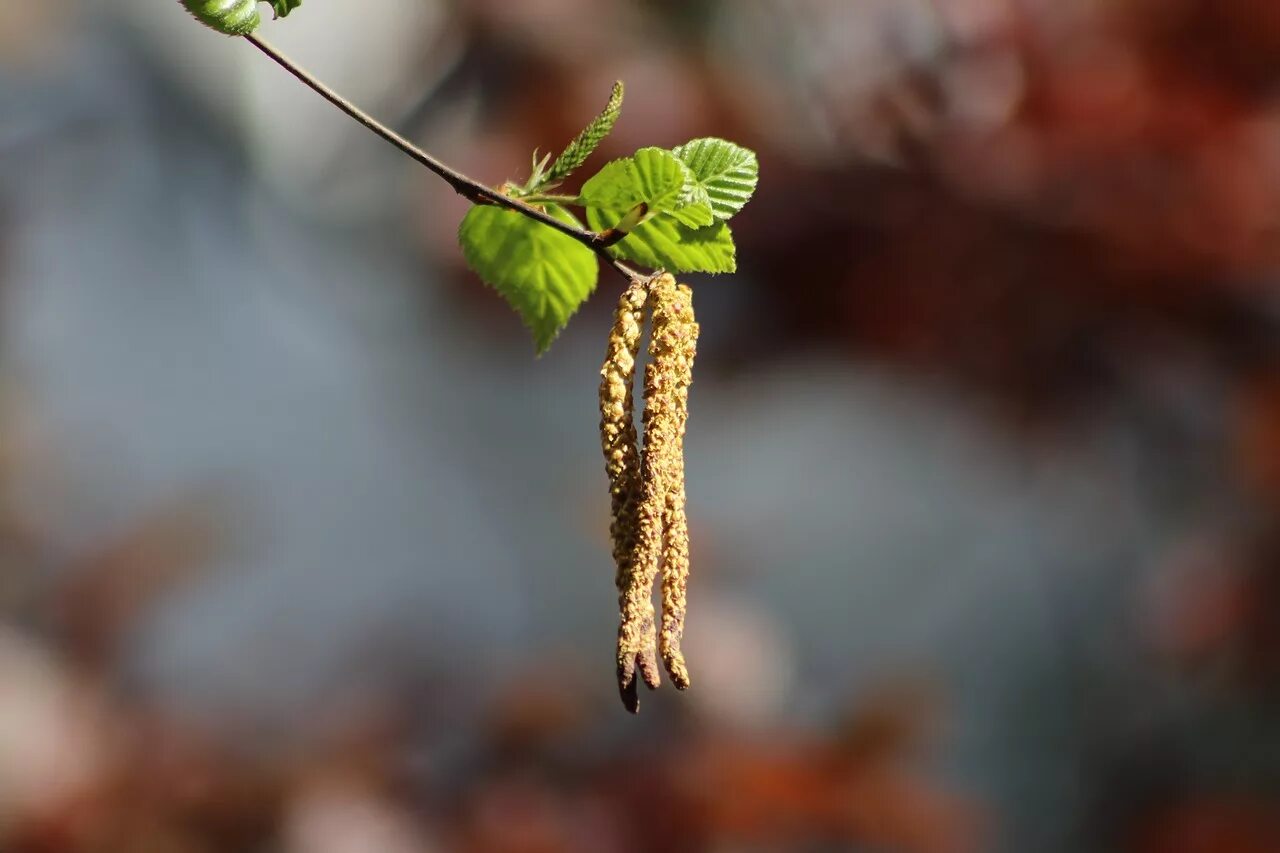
727, 172
586, 142
654, 177
697, 202
233, 19
664, 242
284, 7
678, 230
543, 274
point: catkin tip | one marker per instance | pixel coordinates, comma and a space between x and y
629, 690
674, 662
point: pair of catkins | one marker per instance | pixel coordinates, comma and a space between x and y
646, 484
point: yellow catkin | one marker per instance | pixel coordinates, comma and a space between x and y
636, 642
649, 529
661, 462
683, 334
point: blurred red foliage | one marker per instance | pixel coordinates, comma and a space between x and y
1070, 208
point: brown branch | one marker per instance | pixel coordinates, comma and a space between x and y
468, 188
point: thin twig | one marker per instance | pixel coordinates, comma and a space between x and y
468, 188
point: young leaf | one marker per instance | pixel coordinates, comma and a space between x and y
663, 242
653, 177
586, 142
284, 7
543, 274
232, 19
727, 172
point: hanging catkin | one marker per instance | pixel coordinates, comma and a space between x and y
683, 333
647, 488
622, 464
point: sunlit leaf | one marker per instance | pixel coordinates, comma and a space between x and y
654, 177
543, 274
663, 242
728, 173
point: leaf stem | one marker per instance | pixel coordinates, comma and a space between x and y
552, 198
468, 188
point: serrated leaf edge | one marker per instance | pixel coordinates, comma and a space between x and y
733, 184
542, 338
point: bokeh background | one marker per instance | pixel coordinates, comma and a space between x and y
303, 550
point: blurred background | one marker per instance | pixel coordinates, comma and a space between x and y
304, 551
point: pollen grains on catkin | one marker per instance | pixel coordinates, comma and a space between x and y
622, 464
650, 532
662, 467
676, 321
